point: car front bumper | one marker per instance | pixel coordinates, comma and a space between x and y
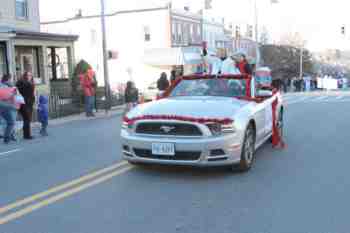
200, 152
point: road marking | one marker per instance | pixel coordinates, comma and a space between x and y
59, 188
339, 97
61, 196
7, 153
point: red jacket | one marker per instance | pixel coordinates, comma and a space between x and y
87, 83
244, 67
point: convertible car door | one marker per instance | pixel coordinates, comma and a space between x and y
268, 115
260, 115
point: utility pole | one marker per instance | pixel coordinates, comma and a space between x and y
105, 59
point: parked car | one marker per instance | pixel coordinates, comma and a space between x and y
203, 121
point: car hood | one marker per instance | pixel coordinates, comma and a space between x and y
207, 107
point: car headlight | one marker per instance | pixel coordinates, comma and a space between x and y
219, 129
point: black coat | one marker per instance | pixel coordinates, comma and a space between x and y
131, 95
26, 89
162, 84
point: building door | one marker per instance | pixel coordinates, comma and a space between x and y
3, 59
28, 60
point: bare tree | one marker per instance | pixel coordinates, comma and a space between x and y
284, 60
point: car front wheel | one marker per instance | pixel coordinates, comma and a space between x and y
248, 150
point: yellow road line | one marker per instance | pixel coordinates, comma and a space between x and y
59, 188
60, 196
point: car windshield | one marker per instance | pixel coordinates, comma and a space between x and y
210, 87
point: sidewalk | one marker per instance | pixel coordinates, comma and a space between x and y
101, 114
345, 92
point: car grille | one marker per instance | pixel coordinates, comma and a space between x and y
169, 129
179, 155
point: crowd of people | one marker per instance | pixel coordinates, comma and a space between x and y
296, 84
20, 98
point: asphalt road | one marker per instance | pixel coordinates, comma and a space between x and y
304, 188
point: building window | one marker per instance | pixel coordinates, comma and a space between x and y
186, 34
179, 33
3, 60
173, 32
22, 9
191, 33
147, 33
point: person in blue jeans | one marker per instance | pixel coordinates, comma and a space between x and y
8, 113
5, 106
43, 114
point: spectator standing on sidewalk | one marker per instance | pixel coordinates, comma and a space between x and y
131, 95
26, 88
43, 114
88, 84
12, 115
163, 83
7, 109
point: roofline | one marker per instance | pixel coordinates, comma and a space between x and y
44, 36
183, 15
106, 15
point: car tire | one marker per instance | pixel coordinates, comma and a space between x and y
248, 150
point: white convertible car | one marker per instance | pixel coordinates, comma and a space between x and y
204, 121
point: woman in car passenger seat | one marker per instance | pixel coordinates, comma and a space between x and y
244, 66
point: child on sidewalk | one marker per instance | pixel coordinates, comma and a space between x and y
43, 114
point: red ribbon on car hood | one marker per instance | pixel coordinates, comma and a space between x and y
223, 121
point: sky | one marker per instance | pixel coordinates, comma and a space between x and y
319, 22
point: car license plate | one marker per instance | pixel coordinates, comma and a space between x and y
166, 149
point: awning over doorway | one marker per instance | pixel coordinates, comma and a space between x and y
33, 35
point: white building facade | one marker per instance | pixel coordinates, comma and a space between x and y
129, 35
215, 35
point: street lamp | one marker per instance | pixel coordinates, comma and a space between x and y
105, 58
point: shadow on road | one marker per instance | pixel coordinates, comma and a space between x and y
185, 172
